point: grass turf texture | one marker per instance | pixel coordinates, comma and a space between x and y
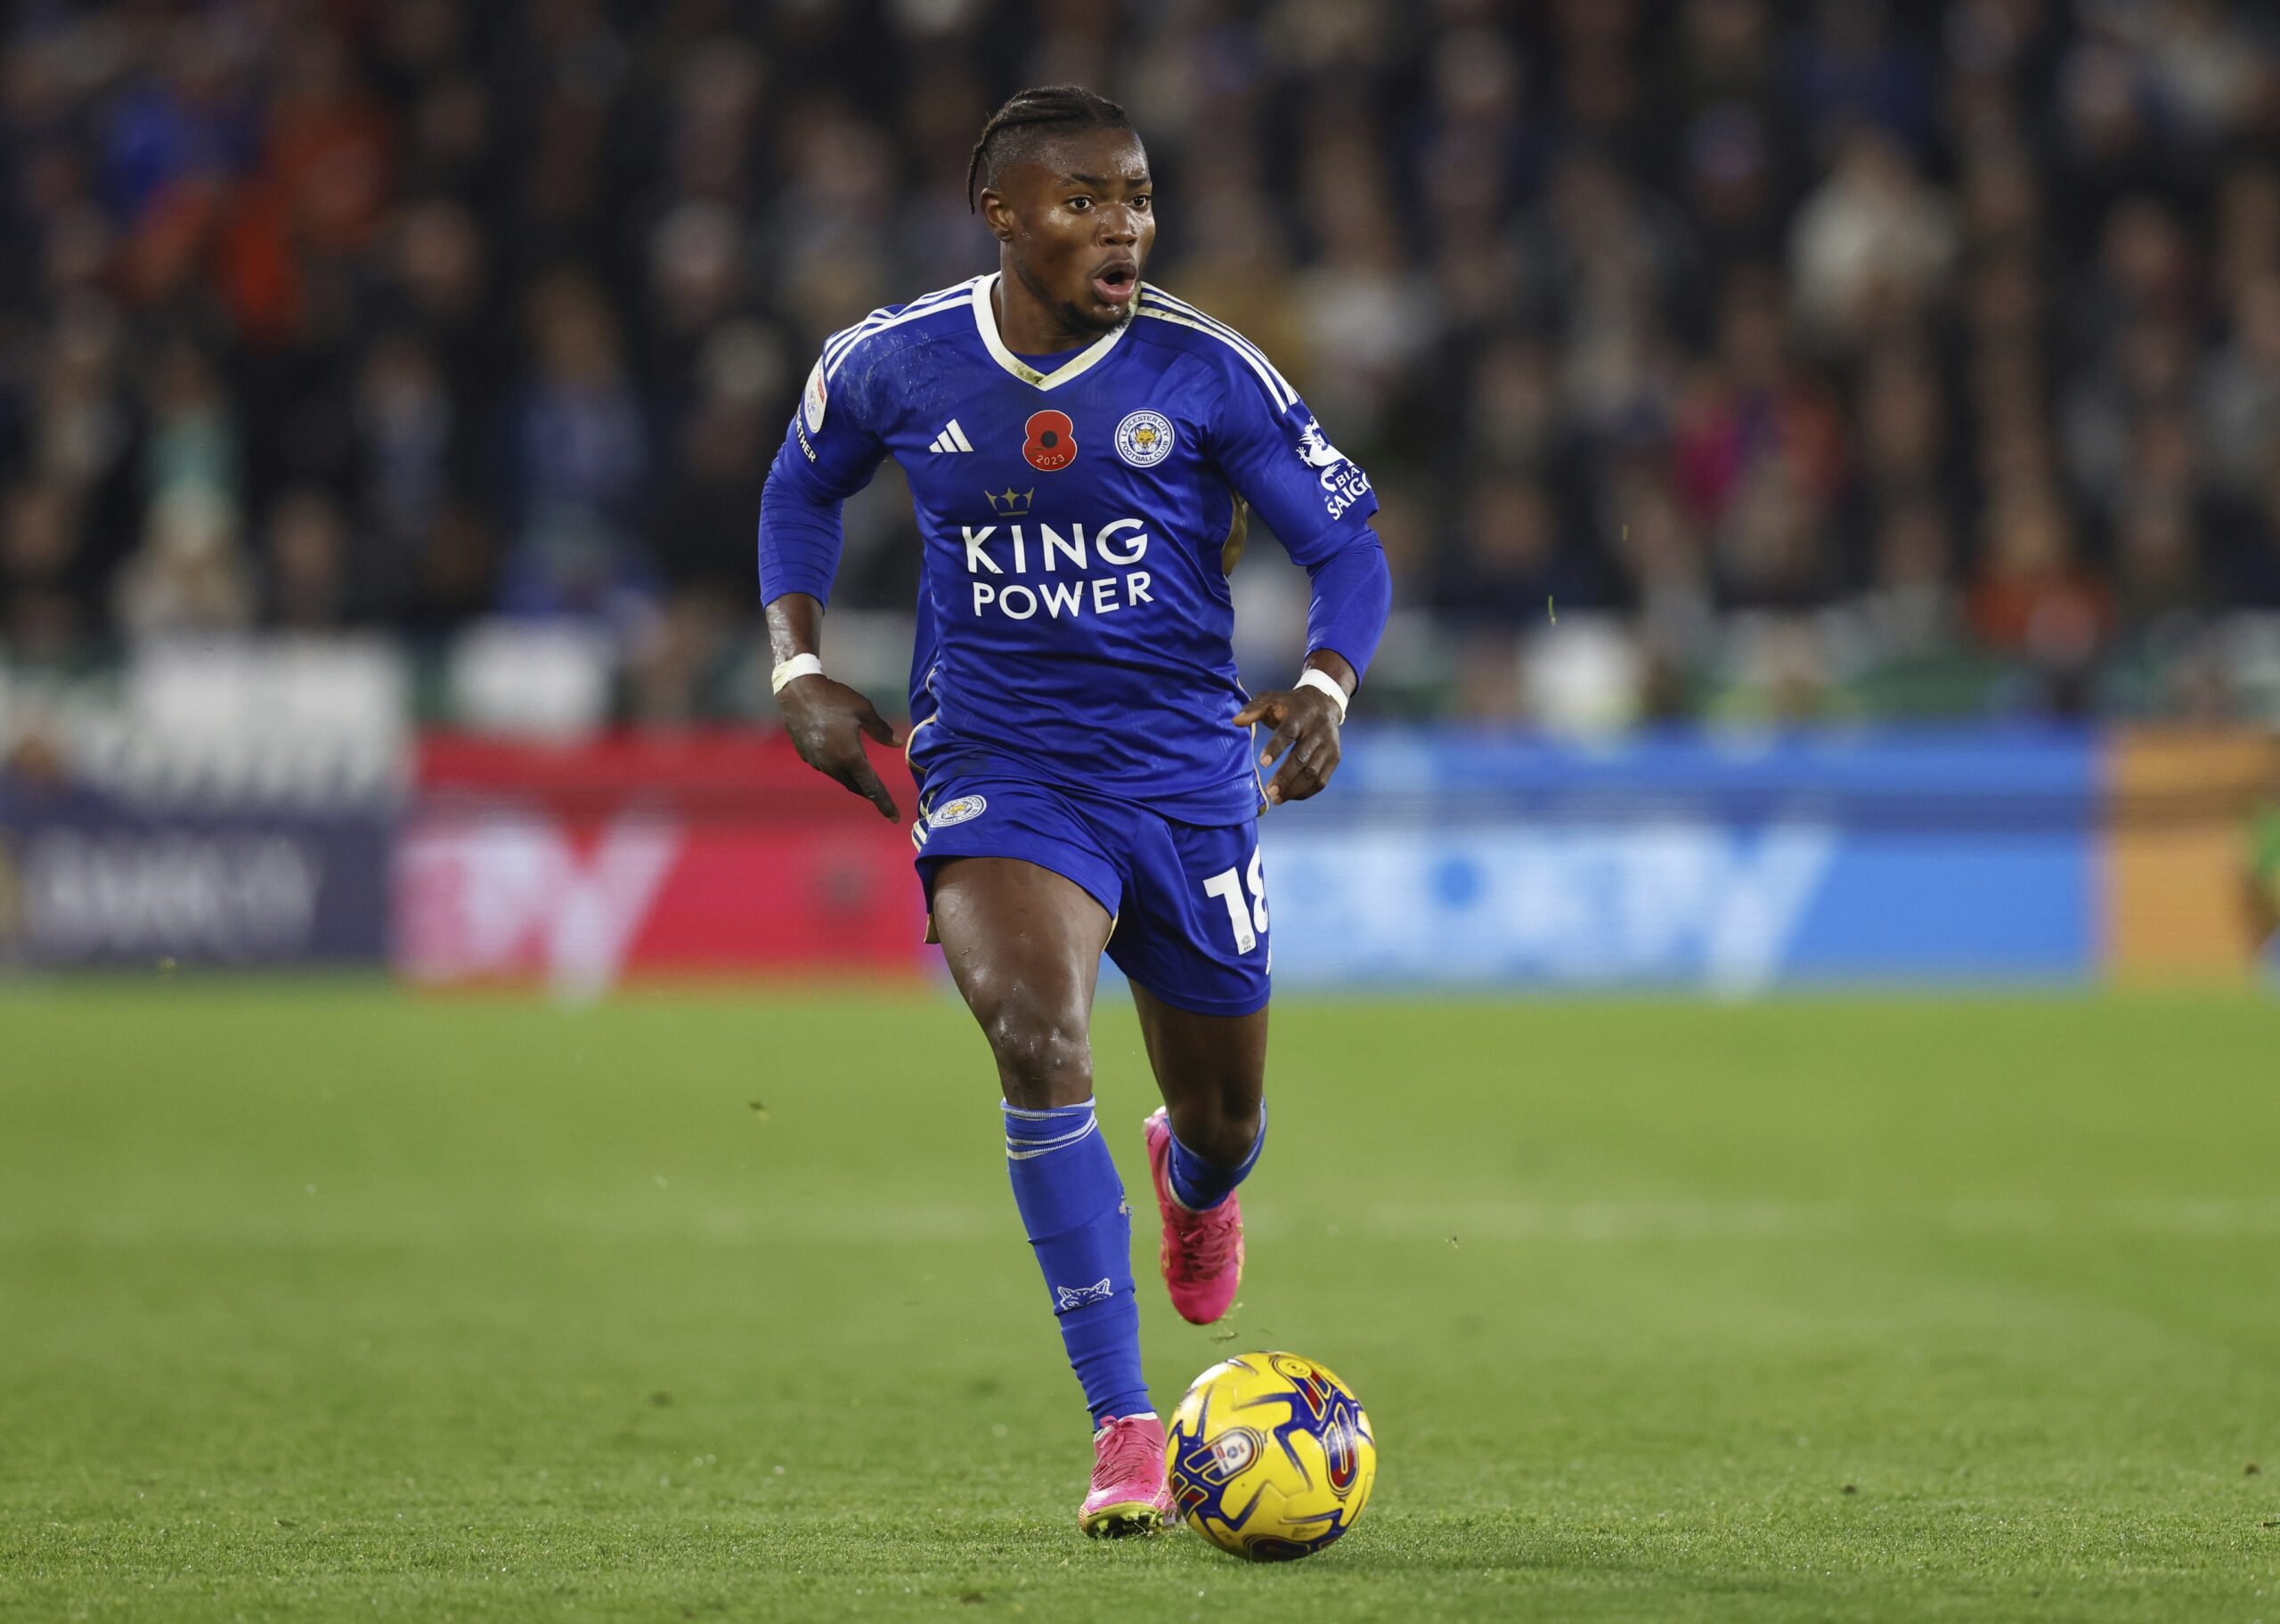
323, 1302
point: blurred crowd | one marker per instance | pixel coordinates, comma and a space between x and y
1710, 357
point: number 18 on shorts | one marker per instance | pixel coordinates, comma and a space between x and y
1246, 900
1189, 900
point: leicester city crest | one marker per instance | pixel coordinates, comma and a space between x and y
1145, 439
957, 811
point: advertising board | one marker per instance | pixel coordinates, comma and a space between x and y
1461, 860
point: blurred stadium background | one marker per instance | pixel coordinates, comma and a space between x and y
1846, 431
1828, 457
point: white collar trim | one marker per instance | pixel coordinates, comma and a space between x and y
985, 321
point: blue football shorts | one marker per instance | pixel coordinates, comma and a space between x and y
1188, 902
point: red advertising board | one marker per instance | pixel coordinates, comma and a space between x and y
707, 853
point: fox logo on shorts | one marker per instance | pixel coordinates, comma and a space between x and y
1076, 1296
958, 811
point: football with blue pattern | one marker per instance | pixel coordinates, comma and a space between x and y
1270, 1457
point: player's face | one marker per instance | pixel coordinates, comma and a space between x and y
1080, 219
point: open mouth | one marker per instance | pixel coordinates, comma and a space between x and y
1117, 282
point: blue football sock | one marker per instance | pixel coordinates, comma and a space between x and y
1197, 1184
1073, 1207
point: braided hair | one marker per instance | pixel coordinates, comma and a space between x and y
1030, 117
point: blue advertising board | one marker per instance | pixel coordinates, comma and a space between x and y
88, 878
1462, 859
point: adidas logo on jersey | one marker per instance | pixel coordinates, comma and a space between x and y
951, 439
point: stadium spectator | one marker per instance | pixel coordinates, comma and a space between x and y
2034, 596
409, 315
309, 561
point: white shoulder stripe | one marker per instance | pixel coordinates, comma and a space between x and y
1172, 301
886, 312
831, 368
835, 347
1267, 379
1213, 324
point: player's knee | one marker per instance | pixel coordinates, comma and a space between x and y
1239, 1133
1043, 1057
1222, 1135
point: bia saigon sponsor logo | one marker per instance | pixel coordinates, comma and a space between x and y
1145, 439
1342, 483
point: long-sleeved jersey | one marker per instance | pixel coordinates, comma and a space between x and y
1074, 621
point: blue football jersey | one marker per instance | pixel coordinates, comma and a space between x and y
1074, 621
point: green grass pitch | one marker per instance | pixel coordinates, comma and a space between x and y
323, 1301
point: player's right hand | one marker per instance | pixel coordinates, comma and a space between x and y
828, 720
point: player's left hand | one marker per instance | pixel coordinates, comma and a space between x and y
1306, 737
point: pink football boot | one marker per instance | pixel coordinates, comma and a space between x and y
1203, 1253
1129, 1496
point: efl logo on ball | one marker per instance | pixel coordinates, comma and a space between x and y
1145, 439
1233, 1451
1270, 1457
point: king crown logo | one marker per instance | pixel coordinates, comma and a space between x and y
1010, 503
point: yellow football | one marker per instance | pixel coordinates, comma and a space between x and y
1270, 1457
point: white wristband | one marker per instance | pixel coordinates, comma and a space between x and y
1312, 678
798, 665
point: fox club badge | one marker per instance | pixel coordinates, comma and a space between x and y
1145, 439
